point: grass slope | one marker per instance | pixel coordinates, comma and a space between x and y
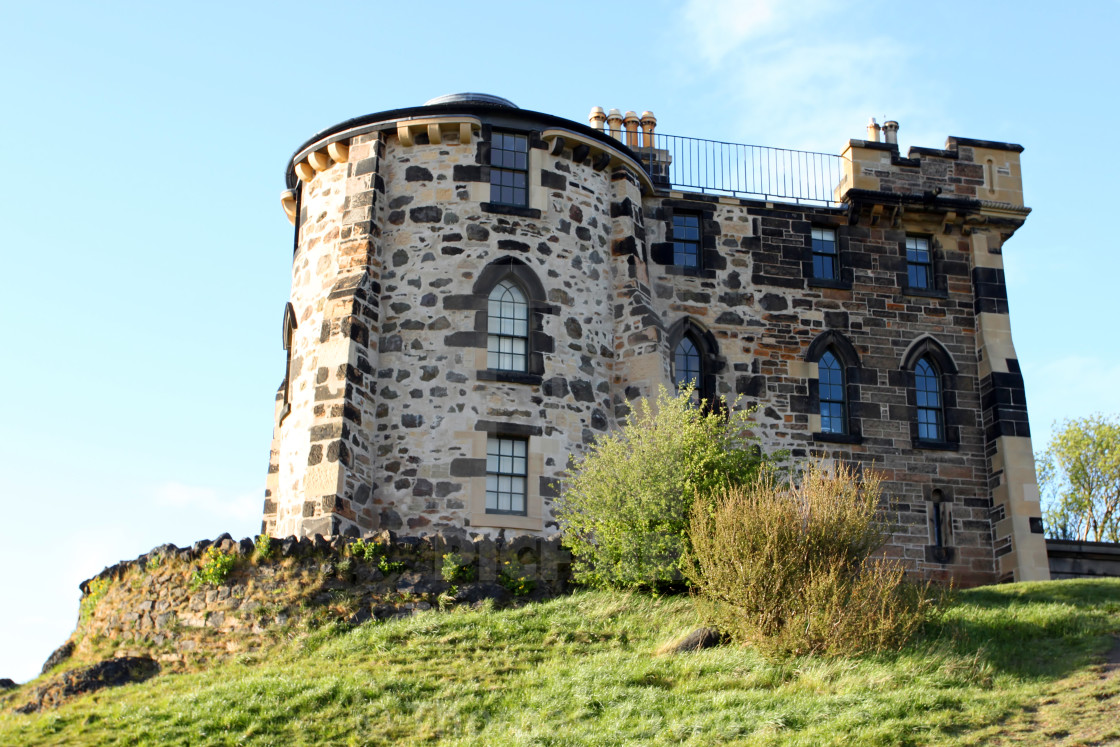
1016, 663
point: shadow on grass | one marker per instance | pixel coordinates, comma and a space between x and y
1041, 630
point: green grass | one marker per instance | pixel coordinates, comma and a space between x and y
582, 670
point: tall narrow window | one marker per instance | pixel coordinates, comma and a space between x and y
833, 402
927, 387
686, 240
824, 254
509, 169
506, 475
919, 263
507, 343
686, 365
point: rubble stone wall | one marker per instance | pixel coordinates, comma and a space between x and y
152, 606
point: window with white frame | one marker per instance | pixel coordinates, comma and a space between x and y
507, 470
509, 169
919, 263
825, 264
507, 341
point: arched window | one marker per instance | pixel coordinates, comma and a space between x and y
686, 367
927, 388
694, 358
830, 377
835, 395
507, 342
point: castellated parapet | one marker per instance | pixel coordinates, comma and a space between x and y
415, 226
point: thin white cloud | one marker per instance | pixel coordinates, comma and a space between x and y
721, 26
784, 76
205, 501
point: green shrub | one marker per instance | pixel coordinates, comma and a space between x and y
512, 576
788, 568
98, 588
624, 509
263, 547
455, 569
216, 566
377, 553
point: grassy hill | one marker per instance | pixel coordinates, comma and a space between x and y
1022, 663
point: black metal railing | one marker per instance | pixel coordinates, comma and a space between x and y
749, 171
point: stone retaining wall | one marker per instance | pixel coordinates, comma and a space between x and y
154, 605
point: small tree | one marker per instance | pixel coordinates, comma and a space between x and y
1079, 477
624, 509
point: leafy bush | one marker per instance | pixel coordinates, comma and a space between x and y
788, 568
263, 547
98, 588
375, 552
216, 566
624, 510
512, 576
455, 569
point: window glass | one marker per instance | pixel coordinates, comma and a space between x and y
507, 341
686, 240
686, 364
927, 388
919, 262
831, 386
824, 254
507, 469
509, 166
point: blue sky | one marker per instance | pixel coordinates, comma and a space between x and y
146, 257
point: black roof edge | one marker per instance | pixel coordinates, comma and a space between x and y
901, 198
437, 110
954, 141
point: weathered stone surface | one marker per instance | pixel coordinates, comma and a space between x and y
698, 639
60, 654
109, 673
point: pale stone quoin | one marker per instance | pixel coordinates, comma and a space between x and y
478, 291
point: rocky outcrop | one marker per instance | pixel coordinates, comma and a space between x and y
109, 673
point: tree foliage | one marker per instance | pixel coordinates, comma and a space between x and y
1079, 477
624, 510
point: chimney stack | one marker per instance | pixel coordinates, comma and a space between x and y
890, 132
649, 122
614, 122
597, 118
631, 123
873, 130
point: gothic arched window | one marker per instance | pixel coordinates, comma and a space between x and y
927, 388
507, 342
687, 368
833, 401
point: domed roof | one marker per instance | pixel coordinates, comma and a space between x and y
473, 98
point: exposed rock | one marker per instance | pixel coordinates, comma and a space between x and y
108, 673
476, 593
61, 654
7, 684
696, 640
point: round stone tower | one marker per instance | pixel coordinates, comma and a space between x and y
469, 293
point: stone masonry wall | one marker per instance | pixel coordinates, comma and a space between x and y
150, 606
